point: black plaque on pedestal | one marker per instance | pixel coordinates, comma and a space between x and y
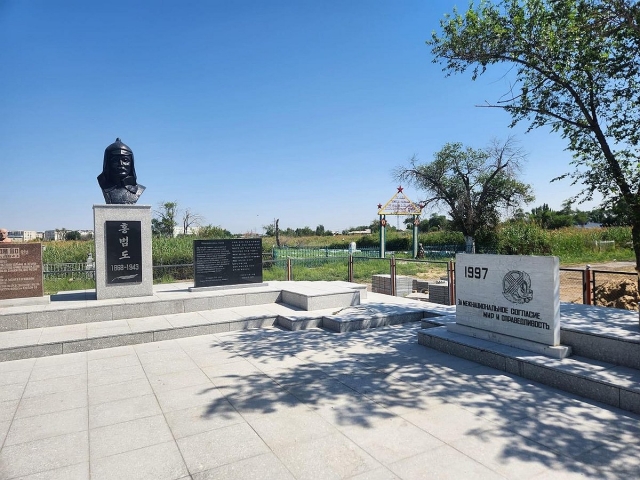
124, 251
227, 262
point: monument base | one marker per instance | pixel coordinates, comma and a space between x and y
559, 351
124, 264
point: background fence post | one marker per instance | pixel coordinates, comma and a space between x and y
289, 268
451, 278
350, 268
586, 286
392, 264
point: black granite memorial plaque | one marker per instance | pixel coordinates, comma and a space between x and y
124, 251
227, 262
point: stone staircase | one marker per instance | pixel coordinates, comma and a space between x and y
76, 321
605, 365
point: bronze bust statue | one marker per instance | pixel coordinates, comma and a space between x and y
118, 178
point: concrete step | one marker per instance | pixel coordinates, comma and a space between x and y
288, 305
70, 308
46, 341
605, 382
604, 334
601, 333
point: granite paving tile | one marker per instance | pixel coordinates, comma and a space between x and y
37, 427
80, 357
234, 443
390, 439
261, 467
109, 363
291, 428
25, 364
176, 380
333, 456
126, 436
116, 375
441, 463
119, 411
202, 418
79, 471
56, 385
119, 391
448, 422
11, 392
511, 456
8, 409
47, 371
54, 402
44, 455
155, 462
186, 397
15, 377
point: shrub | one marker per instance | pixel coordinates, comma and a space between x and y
523, 238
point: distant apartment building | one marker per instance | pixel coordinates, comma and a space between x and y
60, 234
54, 235
24, 235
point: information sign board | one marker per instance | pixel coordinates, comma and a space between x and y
227, 262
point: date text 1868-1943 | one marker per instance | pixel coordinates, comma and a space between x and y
124, 251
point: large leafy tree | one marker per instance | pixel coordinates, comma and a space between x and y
576, 69
164, 222
474, 185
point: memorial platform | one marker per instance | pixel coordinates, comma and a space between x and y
605, 341
76, 321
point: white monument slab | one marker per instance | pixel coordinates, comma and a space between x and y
513, 295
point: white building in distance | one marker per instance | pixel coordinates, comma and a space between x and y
24, 235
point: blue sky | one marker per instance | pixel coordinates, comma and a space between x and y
242, 111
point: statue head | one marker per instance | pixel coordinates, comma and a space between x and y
118, 178
118, 165
4, 235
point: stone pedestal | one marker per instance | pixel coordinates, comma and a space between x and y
124, 266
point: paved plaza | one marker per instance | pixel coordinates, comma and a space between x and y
312, 404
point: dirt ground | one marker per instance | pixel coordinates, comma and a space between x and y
612, 290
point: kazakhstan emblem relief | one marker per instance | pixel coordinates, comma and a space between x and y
516, 287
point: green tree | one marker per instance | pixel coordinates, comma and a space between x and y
580, 218
475, 186
320, 231
164, 222
269, 230
577, 69
437, 223
214, 231
72, 235
614, 214
550, 219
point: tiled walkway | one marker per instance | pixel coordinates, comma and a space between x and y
272, 404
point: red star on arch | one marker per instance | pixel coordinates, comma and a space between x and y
379, 206
400, 189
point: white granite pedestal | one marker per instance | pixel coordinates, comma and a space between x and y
142, 282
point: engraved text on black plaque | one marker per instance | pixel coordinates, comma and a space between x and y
124, 251
227, 262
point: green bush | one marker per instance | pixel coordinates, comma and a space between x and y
67, 252
523, 238
443, 237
